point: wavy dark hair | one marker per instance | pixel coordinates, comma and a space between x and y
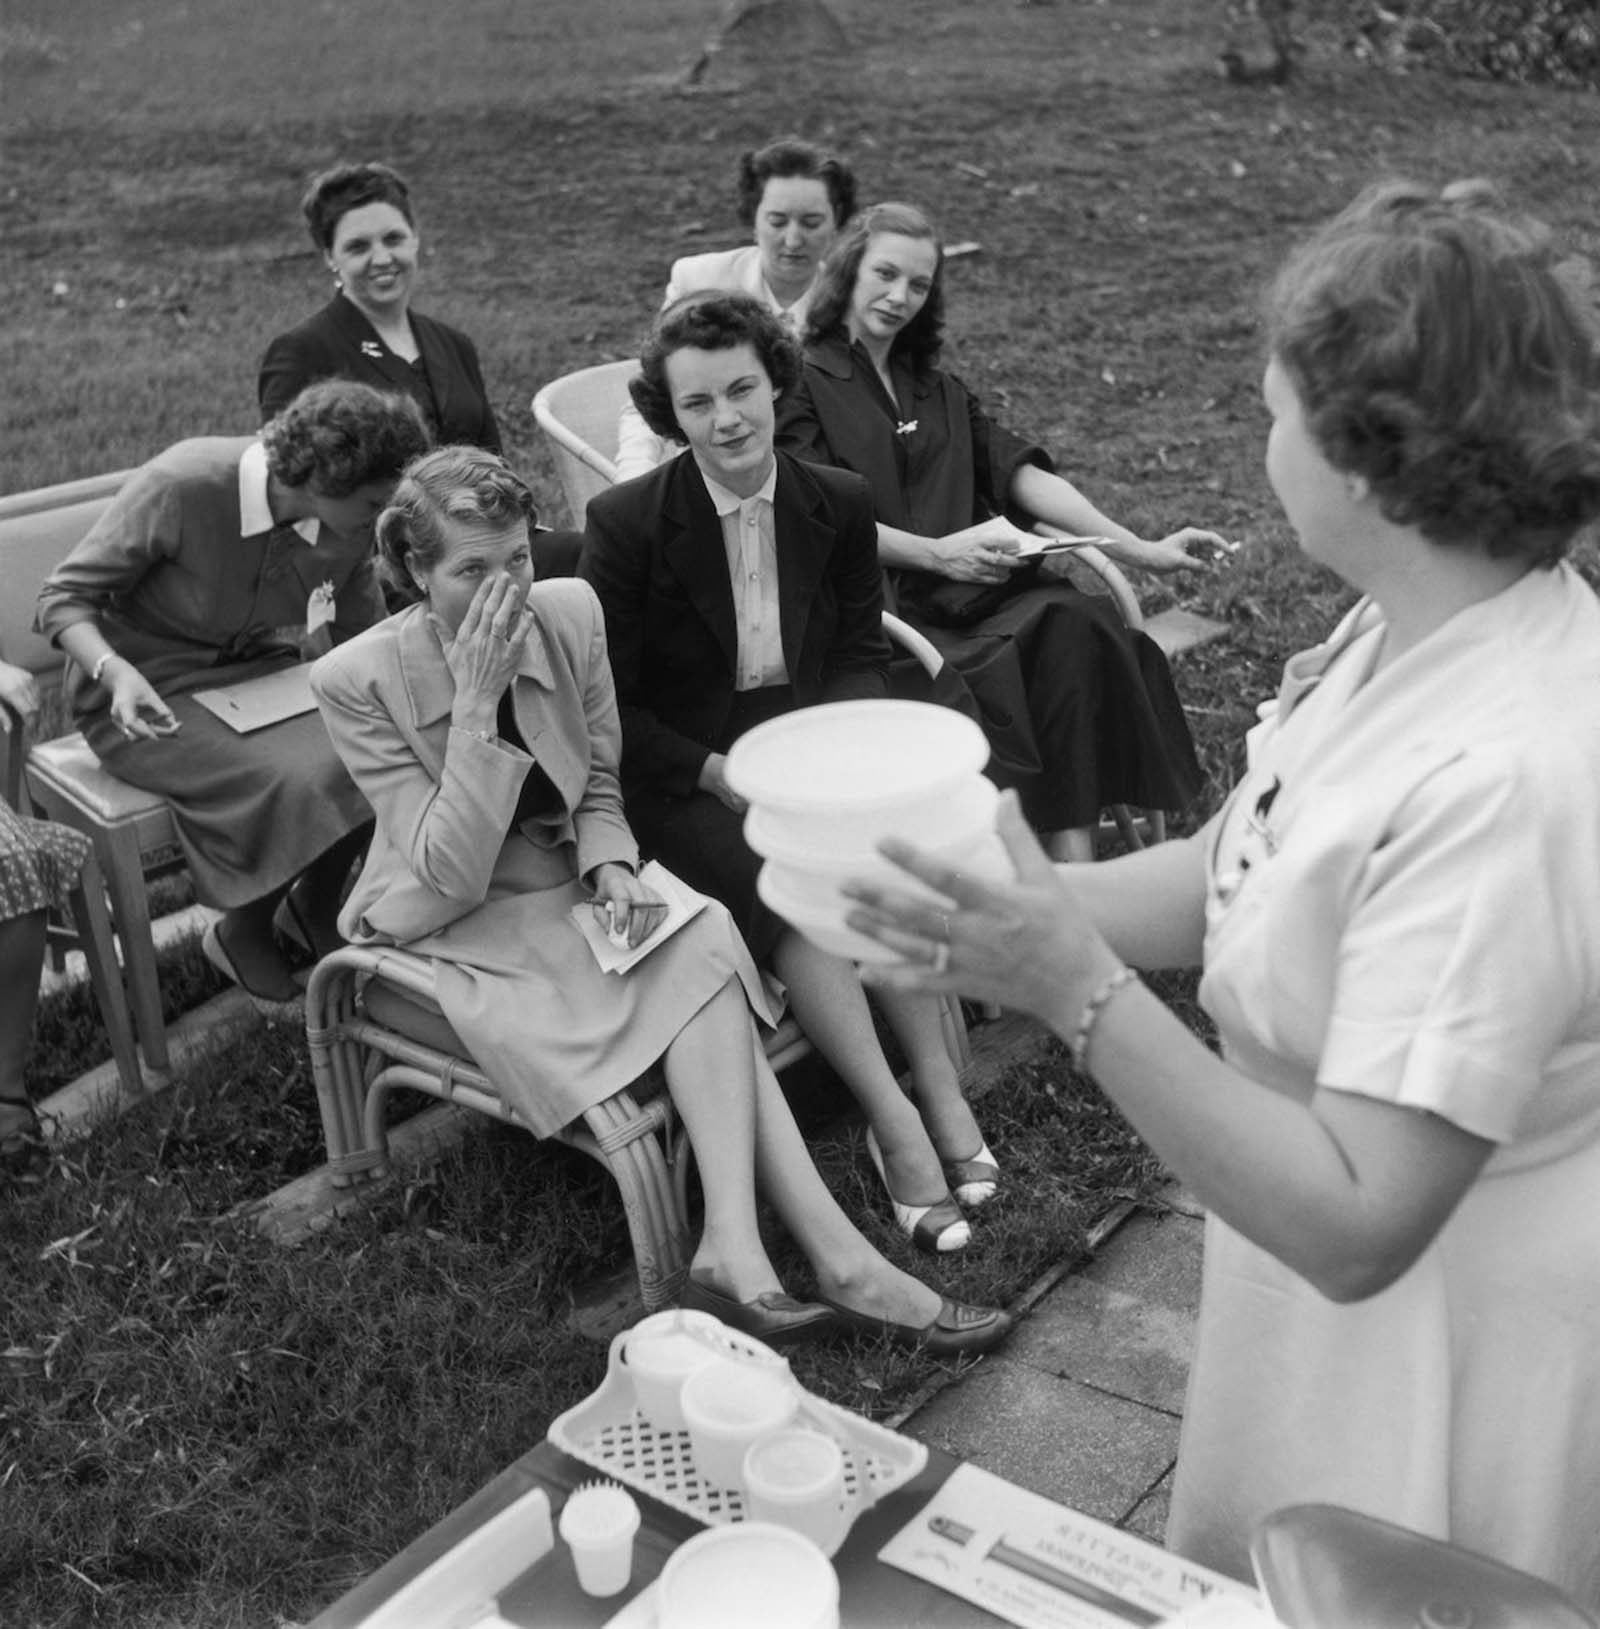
922, 339
331, 194
710, 320
789, 156
338, 435
448, 484
1442, 349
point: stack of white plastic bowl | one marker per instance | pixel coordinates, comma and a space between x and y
826, 785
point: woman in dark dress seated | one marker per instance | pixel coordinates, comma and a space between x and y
1080, 711
364, 226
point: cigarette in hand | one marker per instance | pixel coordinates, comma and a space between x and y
617, 935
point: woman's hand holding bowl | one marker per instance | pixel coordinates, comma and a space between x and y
1026, 943
487, 646
627, 908
985, 553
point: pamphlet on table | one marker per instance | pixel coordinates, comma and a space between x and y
1042, 1566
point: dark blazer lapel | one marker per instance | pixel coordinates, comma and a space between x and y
692, 545
804, 536
438, 361
375, 357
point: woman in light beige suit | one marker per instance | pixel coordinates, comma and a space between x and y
481, 723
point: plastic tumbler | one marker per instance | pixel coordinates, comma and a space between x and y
598, 1523
726, 1406
658, 1361
795, 1478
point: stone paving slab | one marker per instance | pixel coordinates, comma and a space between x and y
1176, 629
1112, 1341
1069, 1442
1084, 1403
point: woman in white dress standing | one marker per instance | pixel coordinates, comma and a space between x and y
1398, 916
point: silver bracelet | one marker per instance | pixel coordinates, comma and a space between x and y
1092, 1009
100, 666
488, 737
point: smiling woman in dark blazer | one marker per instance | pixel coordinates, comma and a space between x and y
703, 651
363, 223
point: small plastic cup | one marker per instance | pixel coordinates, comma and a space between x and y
658, 1360
726, 1406
795, 1478
598, 1523
748, 1573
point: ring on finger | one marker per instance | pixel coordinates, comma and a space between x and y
940, 961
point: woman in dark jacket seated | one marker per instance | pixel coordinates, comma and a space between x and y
1080, 711
703, 652
364, 226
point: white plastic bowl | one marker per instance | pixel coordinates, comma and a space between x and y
849, 765
748, 1573
822, 924
960, 816
982, 856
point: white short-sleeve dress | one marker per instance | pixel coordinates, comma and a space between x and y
1404, 901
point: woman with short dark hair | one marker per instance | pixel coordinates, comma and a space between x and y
364, 225
227, 558
738, 585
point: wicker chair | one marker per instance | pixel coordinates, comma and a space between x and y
373, 1023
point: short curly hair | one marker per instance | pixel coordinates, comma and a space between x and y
337, 435
1442, 349
449, 483
710, 320
330, 195
922, 339
789, 156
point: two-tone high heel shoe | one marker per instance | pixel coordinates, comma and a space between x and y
973, 1182
938, 1228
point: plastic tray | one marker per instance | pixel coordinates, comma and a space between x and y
609, 1433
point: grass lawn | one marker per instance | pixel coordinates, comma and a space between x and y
200, 1428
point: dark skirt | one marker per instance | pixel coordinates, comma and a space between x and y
1080, 710
702, 840
252, 811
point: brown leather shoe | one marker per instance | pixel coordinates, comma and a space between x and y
772, 1316
956, 1330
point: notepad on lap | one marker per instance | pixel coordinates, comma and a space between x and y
253, 704
1057, 545
683, 905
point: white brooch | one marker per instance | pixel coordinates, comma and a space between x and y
905, 427
320, 606
372, 349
